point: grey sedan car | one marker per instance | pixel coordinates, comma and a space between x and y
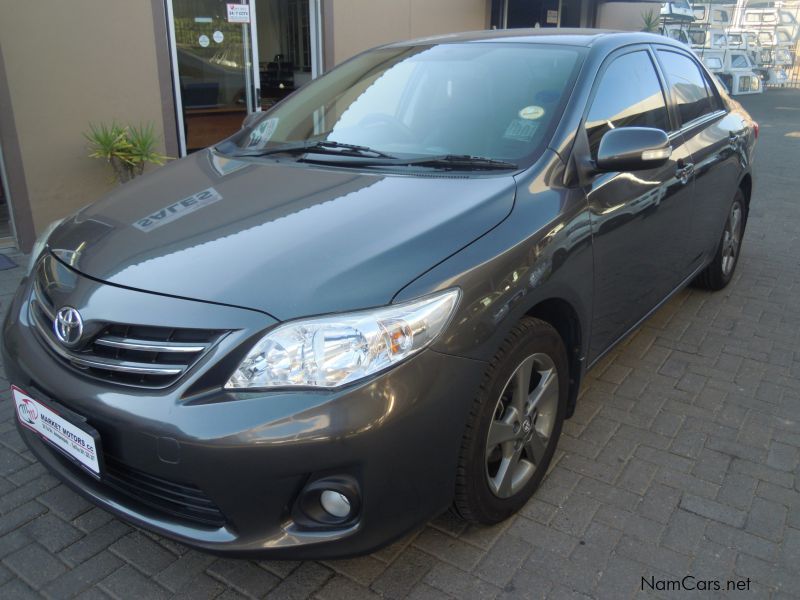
378, 299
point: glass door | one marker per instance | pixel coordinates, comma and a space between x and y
213, 58
532, 13
286, 47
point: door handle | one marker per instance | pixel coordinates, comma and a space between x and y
684, 172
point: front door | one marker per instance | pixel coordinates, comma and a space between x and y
640, 220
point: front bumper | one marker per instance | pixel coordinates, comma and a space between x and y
396, 435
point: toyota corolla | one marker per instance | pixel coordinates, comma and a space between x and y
378, 299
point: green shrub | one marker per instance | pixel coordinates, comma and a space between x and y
126, 148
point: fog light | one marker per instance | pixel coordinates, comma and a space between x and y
328, 502
335, 504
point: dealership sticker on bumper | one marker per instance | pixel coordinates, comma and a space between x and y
72, 440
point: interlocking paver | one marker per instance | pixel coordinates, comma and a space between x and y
143, 553
448, 549
304, 581
35, 565
83, 575
767, 519
127, 581
53, 533
404, 572
243, 576
499, 565
683, 457
460, 584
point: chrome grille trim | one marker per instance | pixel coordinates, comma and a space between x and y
39, 296
146, 346
100, 363
127, 354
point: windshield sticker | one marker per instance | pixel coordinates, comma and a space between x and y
521, 130
262, 133
179, 209
531, 113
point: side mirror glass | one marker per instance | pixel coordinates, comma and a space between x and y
633, 149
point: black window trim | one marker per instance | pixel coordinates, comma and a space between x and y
722, 108
607, 61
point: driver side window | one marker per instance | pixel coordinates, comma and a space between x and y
629, 95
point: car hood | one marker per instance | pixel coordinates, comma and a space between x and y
287, 239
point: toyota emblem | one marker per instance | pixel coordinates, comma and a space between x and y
68, 326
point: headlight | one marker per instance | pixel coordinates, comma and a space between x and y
332, 351
41, 242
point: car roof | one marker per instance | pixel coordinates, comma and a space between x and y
546, 35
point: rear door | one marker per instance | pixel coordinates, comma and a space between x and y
716, 140
640, 220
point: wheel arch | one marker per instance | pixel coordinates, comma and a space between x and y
563, 317
746, 185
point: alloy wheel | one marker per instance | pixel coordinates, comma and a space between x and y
522, 425
731, 239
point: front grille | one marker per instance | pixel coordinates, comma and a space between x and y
123, 353
180, 500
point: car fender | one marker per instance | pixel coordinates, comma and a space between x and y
542, 251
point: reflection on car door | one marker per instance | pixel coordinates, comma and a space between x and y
640, 220
716, 140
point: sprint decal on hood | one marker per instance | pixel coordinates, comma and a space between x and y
179, 209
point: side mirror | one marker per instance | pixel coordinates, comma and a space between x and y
252, 118
633, 149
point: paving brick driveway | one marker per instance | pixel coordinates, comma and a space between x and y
682, 459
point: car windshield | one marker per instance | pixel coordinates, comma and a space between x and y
496, 101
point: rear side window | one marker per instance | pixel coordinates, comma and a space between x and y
688, 85
739, 61
629, 95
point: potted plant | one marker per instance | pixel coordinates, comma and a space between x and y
650, 21
128, 149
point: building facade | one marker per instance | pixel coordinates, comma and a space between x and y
191, 68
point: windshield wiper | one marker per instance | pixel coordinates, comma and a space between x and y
445, 161
460, 162
318, 146
449, 162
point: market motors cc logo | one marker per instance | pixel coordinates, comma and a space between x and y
68, 326
28, 412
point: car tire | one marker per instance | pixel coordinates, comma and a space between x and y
497, 476
719, 272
